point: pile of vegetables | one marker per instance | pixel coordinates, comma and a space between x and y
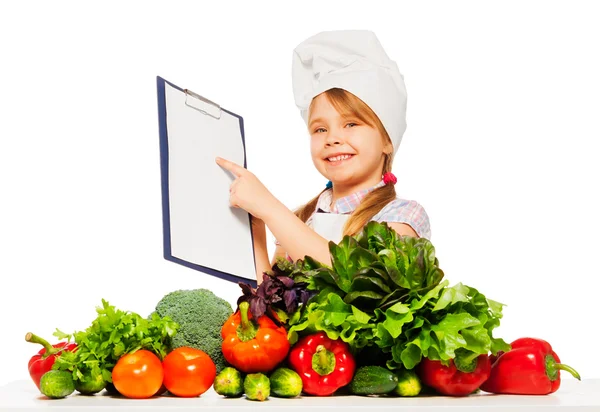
135, 356
382, 320
379, 320
385, 295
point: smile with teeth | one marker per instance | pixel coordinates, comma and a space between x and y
339, 158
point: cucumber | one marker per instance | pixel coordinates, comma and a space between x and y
409, 383
91, 385
257, 387
229, 383
373, 380
285, 383
57, 384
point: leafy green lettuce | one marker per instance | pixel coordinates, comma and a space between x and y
111, 335
378, 267
384, 292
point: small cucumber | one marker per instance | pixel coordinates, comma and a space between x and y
91, 385
257, 387
285, 383
409, 383
373, 380
57, 384
229, 383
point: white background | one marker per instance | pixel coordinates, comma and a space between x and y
501, 149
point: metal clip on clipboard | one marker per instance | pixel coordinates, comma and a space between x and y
195, 101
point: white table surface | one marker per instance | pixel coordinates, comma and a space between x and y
571, 396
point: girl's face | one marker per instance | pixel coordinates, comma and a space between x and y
360, 146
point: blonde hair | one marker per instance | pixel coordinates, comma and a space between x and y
348, 105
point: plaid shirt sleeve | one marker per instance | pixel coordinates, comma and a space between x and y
406, 211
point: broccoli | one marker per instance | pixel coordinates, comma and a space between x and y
200, 315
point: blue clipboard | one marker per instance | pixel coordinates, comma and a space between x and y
200, 230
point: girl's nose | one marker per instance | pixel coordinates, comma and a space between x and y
333, 139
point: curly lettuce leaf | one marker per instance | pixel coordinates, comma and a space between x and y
111, 335
329, 313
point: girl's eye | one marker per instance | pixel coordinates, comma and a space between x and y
322, 128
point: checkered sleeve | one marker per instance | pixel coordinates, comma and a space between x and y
406, 211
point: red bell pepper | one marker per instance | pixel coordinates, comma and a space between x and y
459, 378
531, 367
253, 346
42, 362
324, 365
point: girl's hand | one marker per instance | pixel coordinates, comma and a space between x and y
247, 192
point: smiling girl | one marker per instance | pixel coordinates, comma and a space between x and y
353, 101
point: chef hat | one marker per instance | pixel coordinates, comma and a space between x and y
355, 61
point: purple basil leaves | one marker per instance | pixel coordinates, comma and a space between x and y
277, 291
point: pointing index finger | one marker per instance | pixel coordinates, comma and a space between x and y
231, 166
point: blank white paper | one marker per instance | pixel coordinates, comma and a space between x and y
205, 230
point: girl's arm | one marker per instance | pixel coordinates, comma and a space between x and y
261, 254
299, 240
295, 237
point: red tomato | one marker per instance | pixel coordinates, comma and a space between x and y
189, 372
138, 375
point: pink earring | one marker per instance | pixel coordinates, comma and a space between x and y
389, 177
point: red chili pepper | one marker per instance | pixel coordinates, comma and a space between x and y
42, 362
459, 378
531, 367
324, 365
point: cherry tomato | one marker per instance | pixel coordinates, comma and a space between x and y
189, 372
138, 375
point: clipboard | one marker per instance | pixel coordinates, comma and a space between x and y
200, 229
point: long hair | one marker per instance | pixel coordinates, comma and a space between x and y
348, 104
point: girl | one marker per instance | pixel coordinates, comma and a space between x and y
353, 101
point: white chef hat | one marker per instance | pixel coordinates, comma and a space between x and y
355, 61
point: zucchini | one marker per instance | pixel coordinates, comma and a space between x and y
373, 380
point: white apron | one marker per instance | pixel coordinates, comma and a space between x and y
330, 225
